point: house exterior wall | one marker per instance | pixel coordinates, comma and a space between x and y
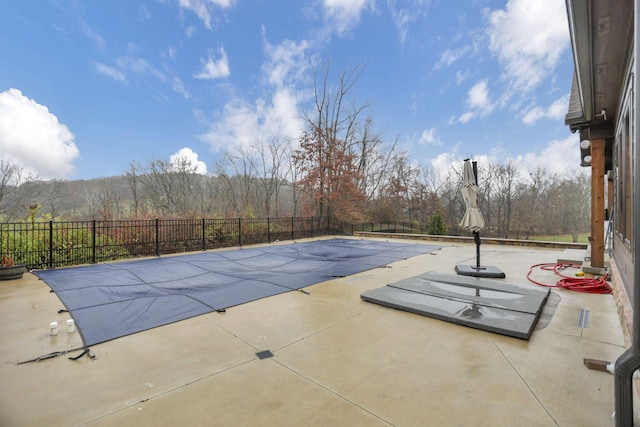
604, 42
624, 218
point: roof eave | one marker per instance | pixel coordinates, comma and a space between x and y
579, 16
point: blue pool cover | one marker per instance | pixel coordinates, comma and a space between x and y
111, 300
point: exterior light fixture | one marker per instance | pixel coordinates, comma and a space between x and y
587, 159
585, 144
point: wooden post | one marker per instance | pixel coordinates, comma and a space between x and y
597, 203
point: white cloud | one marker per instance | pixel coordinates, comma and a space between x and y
343, 15
443, 163
140, 67
92, 35
558, 109
277, 114
529, 37
478, 101
533, 115
404, 17
244, 124
190, 156
466, 117
178, 87
479, 96
286, 61
461, 76
204, 8
32, 137
215, 68
555, 111
190, 31
170, 52
429, 137
450, 56
112, 73
143, 13
558, 157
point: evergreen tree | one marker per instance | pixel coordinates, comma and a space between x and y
437, 225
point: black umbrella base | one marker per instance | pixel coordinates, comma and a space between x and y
484, 271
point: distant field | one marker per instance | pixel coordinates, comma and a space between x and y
582, 238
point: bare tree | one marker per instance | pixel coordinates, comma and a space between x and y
532, 204
237, 171
173, 188
109, 200
293, 175
271, 173
425, 201
132, 180
90, 197
374, 159
17, 190
450, 196
51, 196
573, 201
398, 187
506, 192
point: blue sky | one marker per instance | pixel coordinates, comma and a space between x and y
87, 87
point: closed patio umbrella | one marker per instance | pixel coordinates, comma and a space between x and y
474, 221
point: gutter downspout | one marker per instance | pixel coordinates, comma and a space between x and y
629, 361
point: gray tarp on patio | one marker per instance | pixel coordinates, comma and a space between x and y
495, 306
108, 301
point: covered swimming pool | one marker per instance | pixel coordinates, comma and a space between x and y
111, 300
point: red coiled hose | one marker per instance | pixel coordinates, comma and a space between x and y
590, 285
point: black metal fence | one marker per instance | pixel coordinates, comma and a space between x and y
64, 243
399, 227
391, 227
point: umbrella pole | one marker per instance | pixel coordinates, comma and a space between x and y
476, 234
476, 238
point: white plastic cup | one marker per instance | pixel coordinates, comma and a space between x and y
54, 328
71, 326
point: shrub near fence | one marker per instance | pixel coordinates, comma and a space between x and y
64, 243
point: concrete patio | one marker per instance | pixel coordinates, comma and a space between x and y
337, 360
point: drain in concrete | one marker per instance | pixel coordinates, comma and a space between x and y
584, 318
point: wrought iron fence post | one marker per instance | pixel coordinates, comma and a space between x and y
157, 237
292, 228
268, 230
93, 241
311, 221
239, 231
51, 244
204, 236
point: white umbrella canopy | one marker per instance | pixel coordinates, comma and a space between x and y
472, 219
